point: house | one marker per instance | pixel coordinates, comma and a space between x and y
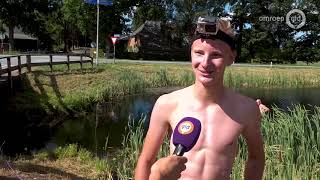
155, 40
22, 41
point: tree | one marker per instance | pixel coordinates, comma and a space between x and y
187, 12
308, 44
149, 10
12, 13
77, 15
2, 30
239, 18
23, 14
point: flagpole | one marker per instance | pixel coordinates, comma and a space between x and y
97, 42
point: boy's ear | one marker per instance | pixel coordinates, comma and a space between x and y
233, 56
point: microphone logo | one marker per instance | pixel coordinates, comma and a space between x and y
186, 127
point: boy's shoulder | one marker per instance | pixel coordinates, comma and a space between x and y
173, 97
243, 100
166, 104
244, 106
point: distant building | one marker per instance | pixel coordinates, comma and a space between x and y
22, 41
155, 40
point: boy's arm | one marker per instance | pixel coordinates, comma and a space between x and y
157, 129
168, 168
256, 157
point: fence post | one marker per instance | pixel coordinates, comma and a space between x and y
81, 61
28, 62
50, 63
9, 75
19, 65
91, 62
68, 62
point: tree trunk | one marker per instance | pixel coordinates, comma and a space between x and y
65, 38
241, 24
11, 36
239, 43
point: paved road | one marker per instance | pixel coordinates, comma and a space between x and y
39, 59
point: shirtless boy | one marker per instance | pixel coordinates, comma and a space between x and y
224, 115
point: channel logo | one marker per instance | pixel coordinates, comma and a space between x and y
186, 127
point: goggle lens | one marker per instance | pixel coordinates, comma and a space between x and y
211, 28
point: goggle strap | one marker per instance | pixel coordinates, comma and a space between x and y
220, 35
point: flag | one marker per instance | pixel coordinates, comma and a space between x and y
101, 2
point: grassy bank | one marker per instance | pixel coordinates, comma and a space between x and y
292, 145
292, 151
77, 90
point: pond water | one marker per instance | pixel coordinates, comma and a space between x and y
108, 122
111, 118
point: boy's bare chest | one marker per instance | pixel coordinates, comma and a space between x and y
219, 132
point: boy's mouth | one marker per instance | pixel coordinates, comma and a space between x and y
206, 73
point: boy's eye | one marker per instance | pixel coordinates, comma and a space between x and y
198, 52
215, 55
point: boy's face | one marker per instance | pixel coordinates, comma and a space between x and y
209, 59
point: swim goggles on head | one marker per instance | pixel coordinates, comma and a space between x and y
215, 28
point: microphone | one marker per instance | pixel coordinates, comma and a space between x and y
185, 135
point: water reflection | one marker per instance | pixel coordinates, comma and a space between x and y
110, 119
286, 98
106, 124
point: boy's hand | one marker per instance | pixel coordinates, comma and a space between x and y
262, 107
168, 168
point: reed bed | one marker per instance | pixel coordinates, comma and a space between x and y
292, 147
77, 90
292, 140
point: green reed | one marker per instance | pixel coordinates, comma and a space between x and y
292, 149
275, 79
116, 80
124, 159
292, 146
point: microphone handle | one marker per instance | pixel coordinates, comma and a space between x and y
179, 150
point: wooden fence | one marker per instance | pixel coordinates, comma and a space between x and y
8, 70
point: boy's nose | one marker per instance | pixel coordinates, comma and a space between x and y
205, 61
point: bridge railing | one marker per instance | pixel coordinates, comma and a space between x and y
29, 64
